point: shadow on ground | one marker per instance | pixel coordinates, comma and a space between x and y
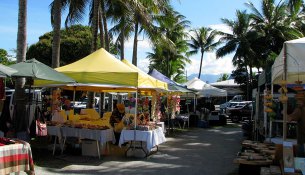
187, 151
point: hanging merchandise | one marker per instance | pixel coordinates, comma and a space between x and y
153, 106
283, 90
268, 101
56, 102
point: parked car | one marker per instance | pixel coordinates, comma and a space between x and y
240, 112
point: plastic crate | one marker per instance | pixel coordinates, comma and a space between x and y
203, 124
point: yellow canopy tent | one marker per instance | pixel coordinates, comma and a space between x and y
100, 67
145, 81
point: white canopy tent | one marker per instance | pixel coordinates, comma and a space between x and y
204, 89
293, 56
289, 66
227, 83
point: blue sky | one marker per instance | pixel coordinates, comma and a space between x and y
199, 13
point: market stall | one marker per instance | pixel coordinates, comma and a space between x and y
204, 89
152, 137
115, 77
288, 68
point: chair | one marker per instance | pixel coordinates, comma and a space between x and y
185, 118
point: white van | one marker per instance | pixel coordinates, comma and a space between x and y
36, 100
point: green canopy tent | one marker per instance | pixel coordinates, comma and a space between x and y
6, 71
37, 70
32, 69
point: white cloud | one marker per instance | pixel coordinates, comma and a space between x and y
142, 43
210, 65
143, 64
221, 27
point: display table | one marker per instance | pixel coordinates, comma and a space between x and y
16, 157
101, 136
152, 138
55, 131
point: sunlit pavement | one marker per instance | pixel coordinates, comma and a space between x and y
207, 151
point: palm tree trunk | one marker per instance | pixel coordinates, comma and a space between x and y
100, 22
200, 65
122, 42
94, 43
251, 80
56, 34
94, 25
107, 42
20, 121
135, 44
247, 95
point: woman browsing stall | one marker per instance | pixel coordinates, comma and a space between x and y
116, 120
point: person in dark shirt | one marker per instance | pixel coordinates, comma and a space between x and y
116, 118
117, 114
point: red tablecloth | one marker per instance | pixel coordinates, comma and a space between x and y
16, 157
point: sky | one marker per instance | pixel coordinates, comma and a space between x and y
201, 13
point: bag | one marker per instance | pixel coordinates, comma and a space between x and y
41, 128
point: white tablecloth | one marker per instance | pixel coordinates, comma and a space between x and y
152, 138
102, 136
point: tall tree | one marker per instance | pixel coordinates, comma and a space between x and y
223, 77
121, 15
143, 21
239, 41
203, 40
170, 45
75, 14
271, 22
56, 24
20, 121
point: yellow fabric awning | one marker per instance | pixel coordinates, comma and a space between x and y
145, 81
100, 67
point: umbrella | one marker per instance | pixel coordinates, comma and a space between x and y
6, 71
37, 70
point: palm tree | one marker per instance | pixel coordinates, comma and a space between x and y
240, 41
20, 122
143, 20
170, 46
56, 23
121, 15
75, 14
95, 25
272, 22
296, 14
223, 77
203, 41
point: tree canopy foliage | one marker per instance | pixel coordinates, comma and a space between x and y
75, 44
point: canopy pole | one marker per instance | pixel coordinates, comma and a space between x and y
285, 103
195, 103
135, 124
167, 113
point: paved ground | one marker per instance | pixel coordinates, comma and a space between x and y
194, 151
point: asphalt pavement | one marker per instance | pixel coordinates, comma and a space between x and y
206, 151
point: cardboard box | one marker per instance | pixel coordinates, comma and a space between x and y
89, 148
